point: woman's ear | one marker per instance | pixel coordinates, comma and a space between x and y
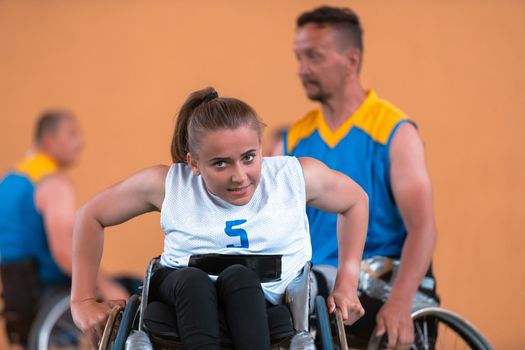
193, 163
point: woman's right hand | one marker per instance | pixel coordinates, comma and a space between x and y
90, 316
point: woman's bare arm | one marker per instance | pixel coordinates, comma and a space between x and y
335, 192
138, 194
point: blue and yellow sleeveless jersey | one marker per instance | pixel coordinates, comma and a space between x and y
22, 233
359, 148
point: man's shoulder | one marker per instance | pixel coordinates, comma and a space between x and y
54, 191
381, 119
55, 182
387, 110
37, 166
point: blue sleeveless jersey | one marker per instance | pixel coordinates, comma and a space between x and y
359, 148
22, 233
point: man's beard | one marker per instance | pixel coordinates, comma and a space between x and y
319, 95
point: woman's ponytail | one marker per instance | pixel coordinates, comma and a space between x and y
180, 141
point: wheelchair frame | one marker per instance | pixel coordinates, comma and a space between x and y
297, 297
424, 309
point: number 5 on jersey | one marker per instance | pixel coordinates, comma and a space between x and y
237, 232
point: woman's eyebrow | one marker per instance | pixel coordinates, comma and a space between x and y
248, 152
224, 159
219, 159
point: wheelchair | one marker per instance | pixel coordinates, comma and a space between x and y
41, 317
434, 327
53, 327
128, 328
36, 317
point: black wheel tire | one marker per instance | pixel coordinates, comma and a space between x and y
126, 324
323, 324
462, 328
55, 309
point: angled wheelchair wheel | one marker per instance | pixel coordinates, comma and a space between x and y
127, 323
324, 330
54, 328
339, 330
437, 328
111, 328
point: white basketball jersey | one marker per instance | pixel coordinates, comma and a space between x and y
273, 222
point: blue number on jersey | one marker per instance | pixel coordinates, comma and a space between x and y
234, 232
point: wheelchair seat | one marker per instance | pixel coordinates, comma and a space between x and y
161, 324
150, 324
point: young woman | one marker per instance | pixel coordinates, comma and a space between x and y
221, 200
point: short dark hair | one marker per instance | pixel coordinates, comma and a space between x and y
342, 19
48, 122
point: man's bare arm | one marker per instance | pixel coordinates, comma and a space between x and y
413, 194
55, 199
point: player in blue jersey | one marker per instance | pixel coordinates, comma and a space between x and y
37, 212
222, 201
367, 138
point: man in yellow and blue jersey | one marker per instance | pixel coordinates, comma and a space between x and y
369, 139
37, 213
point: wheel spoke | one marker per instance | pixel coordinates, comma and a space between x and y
439, 329
425, 330
419, 333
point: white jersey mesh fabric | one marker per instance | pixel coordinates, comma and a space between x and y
273, 222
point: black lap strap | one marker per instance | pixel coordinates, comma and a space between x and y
267, 267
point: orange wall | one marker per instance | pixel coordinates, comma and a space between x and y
456, 67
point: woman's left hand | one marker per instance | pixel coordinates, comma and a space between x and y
348, 302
